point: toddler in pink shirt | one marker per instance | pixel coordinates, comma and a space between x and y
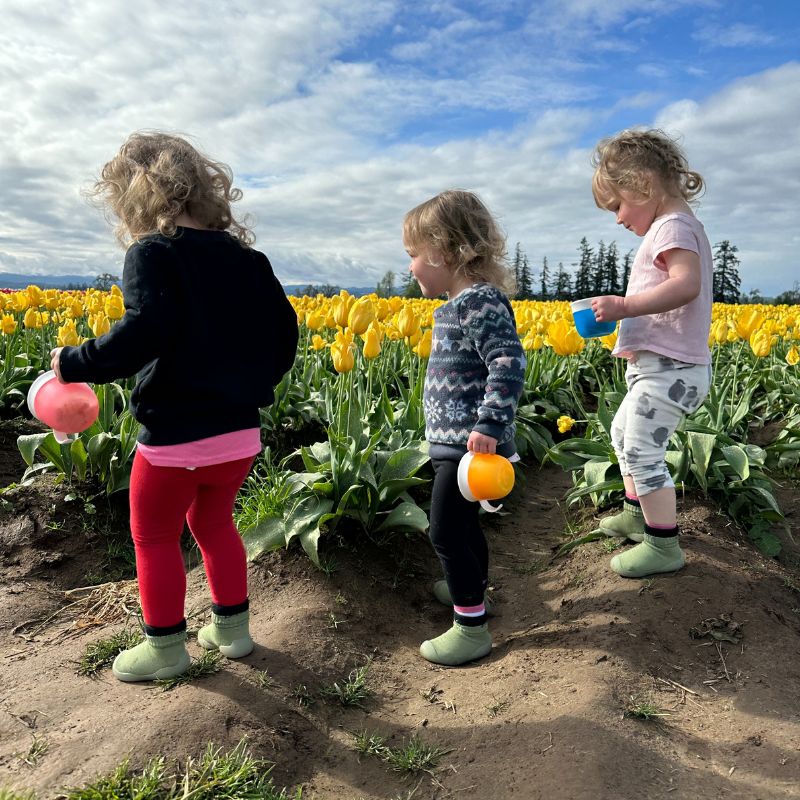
643, 178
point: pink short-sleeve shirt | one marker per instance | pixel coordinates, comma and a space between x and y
683, 332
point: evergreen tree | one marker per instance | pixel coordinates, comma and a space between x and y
598, 278
583, 277
563, 287
611, 271
516, 267
409, 286
524, 282
726, 274
544, 286
626, 270
385, 286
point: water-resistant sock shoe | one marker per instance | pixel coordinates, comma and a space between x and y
628, 524
655, 554
230, 635
459, 645
156, 658
442, 593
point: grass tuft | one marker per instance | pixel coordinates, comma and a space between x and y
100, 654
639, 708
215, 775
412, 756
208, 664
351, 692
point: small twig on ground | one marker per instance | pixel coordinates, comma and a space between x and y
724, 665
541, 752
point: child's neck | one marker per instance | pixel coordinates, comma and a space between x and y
460, 282
185, 221
672, 205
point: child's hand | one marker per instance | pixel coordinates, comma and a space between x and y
55, 365
481, 443
608, 308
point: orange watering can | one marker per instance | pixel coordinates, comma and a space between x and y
68, 408
484, 476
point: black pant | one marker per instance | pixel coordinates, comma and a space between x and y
457, 537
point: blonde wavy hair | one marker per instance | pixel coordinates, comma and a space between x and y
458, 225
155, 177
633, 158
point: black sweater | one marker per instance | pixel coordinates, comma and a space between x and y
208, 329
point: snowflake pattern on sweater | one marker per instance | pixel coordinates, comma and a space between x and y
476, 368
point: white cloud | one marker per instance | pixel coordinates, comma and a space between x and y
332, 144
738, 35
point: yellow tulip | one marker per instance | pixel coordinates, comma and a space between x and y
114, 306
747, 322
340, 308
19, 301
74, 308
761, 343
565, 424
100, 325
343, 360
68, 335
792, 357
407, 322
51, 299
610, 341
8, 324
314, 321
564, 339
423, 348
361, 313
317, 342
372, 343
32, 319
35, 296
116, 291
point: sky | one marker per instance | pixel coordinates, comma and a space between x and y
338, 116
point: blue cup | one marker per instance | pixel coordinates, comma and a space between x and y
587, 325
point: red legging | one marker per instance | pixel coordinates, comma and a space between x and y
161, 499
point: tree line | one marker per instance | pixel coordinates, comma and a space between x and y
598, 270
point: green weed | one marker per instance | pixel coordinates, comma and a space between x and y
639, 708
351, 692
215, 775
208, 664
100, 654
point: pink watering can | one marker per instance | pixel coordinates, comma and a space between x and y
68, 408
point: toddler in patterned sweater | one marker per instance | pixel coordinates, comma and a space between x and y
472, 386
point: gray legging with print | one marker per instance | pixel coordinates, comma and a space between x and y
661, 391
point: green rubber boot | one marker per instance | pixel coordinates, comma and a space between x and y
442, 593
156, 658
230, 635
459, 645
655, 554
628, 524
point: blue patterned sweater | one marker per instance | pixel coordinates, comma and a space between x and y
475, 372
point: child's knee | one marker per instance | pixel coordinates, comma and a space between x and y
650, 477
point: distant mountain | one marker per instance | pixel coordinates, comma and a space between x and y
14, 280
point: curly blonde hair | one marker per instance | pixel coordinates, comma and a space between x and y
155, 177
631, 159
458, 225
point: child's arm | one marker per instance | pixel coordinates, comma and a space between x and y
141, 333
490, 326
682, 286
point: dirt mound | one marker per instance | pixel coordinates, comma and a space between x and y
580, 656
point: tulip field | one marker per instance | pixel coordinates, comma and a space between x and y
344, 438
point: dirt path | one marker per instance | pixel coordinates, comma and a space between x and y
542, 717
